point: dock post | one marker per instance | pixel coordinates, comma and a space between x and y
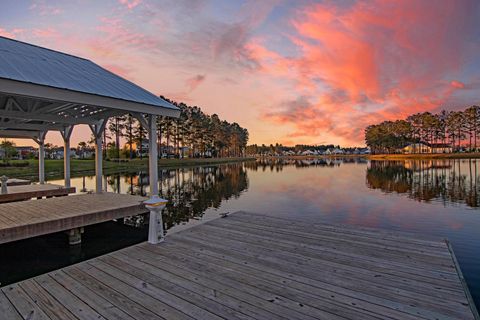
75, 236
97, 130
155, 228
66, 134
41, 156
4, 181
153, 155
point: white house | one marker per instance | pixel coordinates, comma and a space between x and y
417, 148
308, 153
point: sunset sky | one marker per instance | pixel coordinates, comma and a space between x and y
295, 71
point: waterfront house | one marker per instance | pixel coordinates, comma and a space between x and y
416, 148
26, 152
427, 148
441, 148
308, 153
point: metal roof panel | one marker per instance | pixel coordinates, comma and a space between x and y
33, 64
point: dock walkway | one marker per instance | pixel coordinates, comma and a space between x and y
248, 266
26, 219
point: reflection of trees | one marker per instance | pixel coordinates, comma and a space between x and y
277, 164
191, 191
450, 181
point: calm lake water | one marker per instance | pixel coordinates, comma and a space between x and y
435, 197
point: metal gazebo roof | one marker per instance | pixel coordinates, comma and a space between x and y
43, 89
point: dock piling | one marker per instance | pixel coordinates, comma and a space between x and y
155, 229
75, 236
3, 181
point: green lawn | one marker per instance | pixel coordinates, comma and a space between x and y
54, 168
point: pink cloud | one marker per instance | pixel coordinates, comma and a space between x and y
370, 60
12, 34
45, 9
457, 84
46, 33
6, 33
130, 4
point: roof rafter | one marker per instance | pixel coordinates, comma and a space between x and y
19, 134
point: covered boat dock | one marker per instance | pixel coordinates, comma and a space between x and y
43, 90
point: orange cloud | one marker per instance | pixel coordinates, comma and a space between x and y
370, 61
7, 34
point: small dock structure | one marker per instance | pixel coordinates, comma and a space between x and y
249, 266
27, 219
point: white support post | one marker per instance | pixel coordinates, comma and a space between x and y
97, 130
66, 134
153, 154
155, 228
41, 162
98, 163
40, 140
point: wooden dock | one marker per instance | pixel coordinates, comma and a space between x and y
248, 266
26, 219
27, 192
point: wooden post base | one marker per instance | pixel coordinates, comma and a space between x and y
75, 236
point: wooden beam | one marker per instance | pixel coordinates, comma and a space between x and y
12, 87
19, 134
46, 117
141, 118
30, 126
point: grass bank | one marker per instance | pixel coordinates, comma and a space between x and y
424, 156
54, 168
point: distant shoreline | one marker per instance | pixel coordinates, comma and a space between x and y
54, 168
303, 157
421, 156
417, 156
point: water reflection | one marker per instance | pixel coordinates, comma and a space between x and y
190, 191
449, 181
277, 164
351, 191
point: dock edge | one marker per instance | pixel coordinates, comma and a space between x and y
473, 307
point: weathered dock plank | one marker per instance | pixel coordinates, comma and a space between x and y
26, 219
248, 266
27, 192
18, 182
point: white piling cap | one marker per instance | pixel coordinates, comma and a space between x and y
155, 201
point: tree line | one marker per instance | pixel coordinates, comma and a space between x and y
193, 134
457, 129
278, 148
